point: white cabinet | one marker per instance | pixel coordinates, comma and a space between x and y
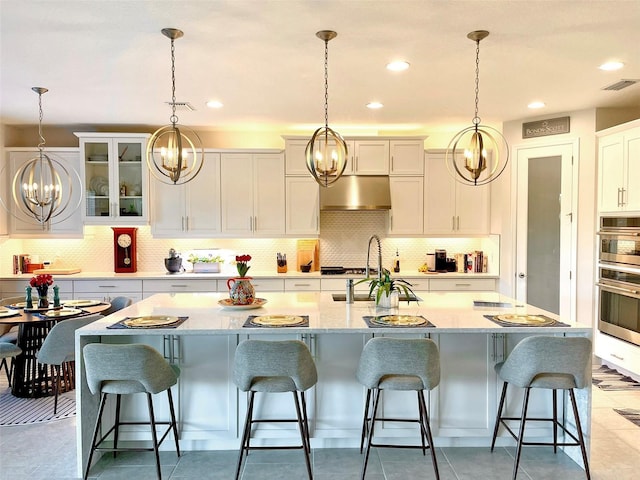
116, 178
407, 205
303, 206
407, 157
619, 170
19, 223
462, 284
191, 209
452, 208
252, 194
368, 157
295, 161
178, 285
616, 352
301, 284
108, 289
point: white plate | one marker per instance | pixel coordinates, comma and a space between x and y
7, 312
277, 320
150, 321
63, 312
20, 304
227, 303
81, 303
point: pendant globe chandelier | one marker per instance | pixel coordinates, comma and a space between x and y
174, 152
473, 155
326, 152
42, 189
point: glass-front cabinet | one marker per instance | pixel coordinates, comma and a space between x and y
116, 178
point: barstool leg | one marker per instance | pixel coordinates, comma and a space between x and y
174, 424
154, 435
555, 420
500, 407
96, 429
56, 388
583, 448
116, 426
306, 421
246, 433
427, 427
365, 420
303, 435
422, 429
376, 398
523, 419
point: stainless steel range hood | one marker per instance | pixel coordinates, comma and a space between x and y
351, 192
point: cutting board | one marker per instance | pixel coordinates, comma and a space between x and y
56, 271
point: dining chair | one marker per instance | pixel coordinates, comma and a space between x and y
8, 350
553, 363
118, 303
59, 347
388, 363
9, 333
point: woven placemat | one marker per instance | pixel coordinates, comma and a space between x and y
370, 324
249, 324
555, 323
120, 324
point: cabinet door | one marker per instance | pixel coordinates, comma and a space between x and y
203, 199
439, 195
632, 154
302, 210
236, 194
295, 161
472, 209
169, 205
407, 157
269, 195
20, 224
371, 157
407, 205
611, 165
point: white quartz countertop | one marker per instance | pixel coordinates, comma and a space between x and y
449, 312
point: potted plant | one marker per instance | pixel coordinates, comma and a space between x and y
206, 264
388, 289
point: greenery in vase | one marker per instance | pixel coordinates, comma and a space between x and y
242, 264
386, 284
210, 259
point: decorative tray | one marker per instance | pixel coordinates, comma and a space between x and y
227, 303
41, 310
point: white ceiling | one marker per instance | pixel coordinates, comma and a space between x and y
105, 61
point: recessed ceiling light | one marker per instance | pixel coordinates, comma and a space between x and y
536, 104
374, 105
214, 104
611, 66
398, 66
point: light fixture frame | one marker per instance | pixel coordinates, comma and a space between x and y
168, 142
469, 166
326, 142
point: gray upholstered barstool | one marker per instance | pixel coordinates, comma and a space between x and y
124, 370
8, 350
275, 367
398, 364
553, 363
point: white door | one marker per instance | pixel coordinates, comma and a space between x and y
546, 207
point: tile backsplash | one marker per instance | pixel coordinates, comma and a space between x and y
343, 241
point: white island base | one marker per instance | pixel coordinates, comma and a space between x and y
211, 410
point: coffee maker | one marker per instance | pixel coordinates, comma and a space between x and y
441, 260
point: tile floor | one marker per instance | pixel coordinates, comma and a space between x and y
47, 451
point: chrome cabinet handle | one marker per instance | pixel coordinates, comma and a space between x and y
623, 201
182, 228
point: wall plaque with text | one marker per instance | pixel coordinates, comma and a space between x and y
542, 128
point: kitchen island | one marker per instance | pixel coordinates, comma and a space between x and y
210, 408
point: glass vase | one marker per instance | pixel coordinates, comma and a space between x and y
43, 300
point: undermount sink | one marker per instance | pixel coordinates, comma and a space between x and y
364, 297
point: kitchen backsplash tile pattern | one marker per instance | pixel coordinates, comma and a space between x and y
343, 241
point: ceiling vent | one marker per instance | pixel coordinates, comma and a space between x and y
621, 84
182, 106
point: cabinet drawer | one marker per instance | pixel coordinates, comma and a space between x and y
260, 285
462, 284
618, 352
107, 286
177, 285
301, 284
13, 288
340, 285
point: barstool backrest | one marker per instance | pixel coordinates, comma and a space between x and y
265, 358
59, 345
537, 355
132, 363
383, 356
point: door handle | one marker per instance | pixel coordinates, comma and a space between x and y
522, 275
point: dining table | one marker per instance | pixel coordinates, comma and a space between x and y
30, 378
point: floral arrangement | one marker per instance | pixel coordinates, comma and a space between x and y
40, 281
241, 263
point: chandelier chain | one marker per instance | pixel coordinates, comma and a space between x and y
174, 117
42, 140
326, 83
476, 118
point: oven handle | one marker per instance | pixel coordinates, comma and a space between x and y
605, 233
627, 291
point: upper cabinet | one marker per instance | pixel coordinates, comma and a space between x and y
191, 209
452, 208
116, 178
619, 168
18, 223
407, 157
303, 206
252, 187
407, 205
368, 157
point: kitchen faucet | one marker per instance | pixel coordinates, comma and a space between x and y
379, 256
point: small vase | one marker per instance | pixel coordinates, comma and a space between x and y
43, 300
391, 300
241, 290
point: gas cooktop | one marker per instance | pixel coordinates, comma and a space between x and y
347, 271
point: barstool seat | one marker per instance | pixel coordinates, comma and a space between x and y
398, 364
124, 370
553, 363
273, 367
